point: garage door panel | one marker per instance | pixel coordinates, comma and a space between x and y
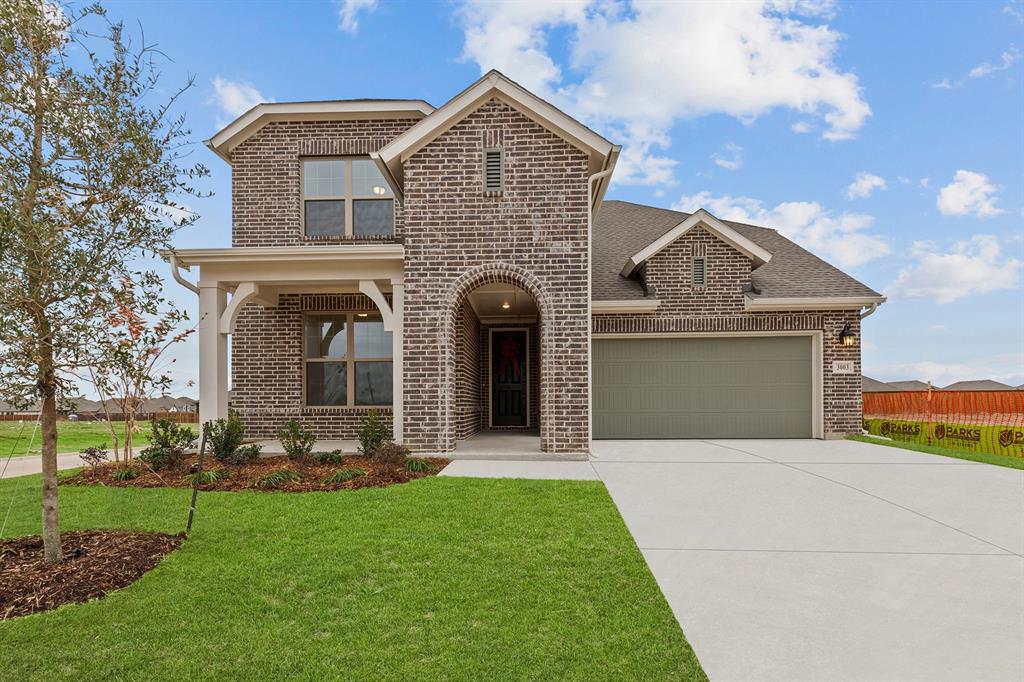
753, 387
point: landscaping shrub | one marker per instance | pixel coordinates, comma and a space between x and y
225, 436
126, 473
276, 479
296, 439
332, 457
417, 465
167, 433
93, 456
244, 454
391, 453
373, 433
344, 475
207, 477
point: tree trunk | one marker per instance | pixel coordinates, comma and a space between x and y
51, 522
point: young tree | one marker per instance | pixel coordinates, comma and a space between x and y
89, 174
130, 364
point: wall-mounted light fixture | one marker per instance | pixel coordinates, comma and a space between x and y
505, 305
846, 337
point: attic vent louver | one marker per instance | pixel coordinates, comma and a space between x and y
494, 170
699, 269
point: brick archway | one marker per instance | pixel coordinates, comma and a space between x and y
455, 296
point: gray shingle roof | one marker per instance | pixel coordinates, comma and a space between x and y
913, 385
874, 385
621, 229
978, 385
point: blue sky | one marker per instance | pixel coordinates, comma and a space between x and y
886, 137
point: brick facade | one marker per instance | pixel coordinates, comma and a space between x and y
267, 370
532, 235
266, 191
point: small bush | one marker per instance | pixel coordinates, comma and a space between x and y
416, 465
125, 473
391, 453
225, 436
333, 457
94, 456
343, 476
276, 479
374, 432
296, 439
157, 457
245, 454
207, 477
167, 433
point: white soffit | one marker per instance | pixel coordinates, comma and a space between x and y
730, 236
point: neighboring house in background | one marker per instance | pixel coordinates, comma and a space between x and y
10, 410
978, 385
912, 385
459, 270
870, 385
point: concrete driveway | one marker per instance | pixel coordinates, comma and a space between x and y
829, 560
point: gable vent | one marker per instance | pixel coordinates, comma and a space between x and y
494, 170
699, 270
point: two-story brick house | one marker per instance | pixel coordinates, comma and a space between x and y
459, 270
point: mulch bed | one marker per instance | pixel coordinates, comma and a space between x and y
95, 562
248, 477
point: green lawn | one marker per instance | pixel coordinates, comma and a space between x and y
999, 460
442, 578
71, 436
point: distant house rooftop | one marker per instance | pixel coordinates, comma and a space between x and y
913, 385
978, 385
875, 386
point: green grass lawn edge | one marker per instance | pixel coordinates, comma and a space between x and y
980, 457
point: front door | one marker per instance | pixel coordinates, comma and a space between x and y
508, 378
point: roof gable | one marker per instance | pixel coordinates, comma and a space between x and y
602, 154
252, 121
701, 218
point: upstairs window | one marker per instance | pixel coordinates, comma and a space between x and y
698, 270
345, 197
494, 170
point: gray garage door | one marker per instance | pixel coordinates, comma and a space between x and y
750, 387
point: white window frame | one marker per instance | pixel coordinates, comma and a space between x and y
351, 316
348, 197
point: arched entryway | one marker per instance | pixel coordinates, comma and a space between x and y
494, 361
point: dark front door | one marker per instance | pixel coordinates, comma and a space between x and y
508, 378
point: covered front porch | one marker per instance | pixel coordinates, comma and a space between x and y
273, 376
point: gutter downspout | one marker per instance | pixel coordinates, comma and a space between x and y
600, 175
176, 274
873, 308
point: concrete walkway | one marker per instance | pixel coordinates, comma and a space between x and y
32, 464
822, 560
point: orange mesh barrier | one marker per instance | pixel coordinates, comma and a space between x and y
983, 421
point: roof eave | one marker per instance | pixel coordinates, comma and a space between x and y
766, 304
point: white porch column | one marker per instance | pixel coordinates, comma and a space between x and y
398, 364
213, 353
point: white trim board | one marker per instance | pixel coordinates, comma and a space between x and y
249, 123
645, 305
817, 361
703, 218
811, 303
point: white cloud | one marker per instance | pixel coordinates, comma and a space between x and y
1008, 58
630, 74
1004, 367
348, 13
864, 184
970, 193
972, 266
235, 98
840, 239
731, 158
1012, 9
802, 127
